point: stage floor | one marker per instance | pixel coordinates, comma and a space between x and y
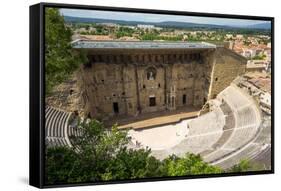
155, 119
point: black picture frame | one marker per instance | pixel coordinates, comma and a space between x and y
37, 92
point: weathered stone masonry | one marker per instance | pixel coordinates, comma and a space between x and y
228, 65
129, 78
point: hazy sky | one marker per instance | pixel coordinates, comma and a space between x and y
155, 17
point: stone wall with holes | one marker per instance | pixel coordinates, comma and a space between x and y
106, 84
67, 95
120, 84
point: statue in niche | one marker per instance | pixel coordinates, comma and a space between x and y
151, 73
151, 76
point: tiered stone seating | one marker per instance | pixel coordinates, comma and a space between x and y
56, 125
258, 150
264, 157
202, 125
229, 122
243, 123
215, 155
197, 144
223, 139
234, 97
226, 109
221, 133
250, 151
264, 136
73, 131
239, 138
56, 141
246, 116
228, 127
229, 116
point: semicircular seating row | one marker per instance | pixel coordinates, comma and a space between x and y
202, 134
222, 131
57, 128
214, 135
257, 150
247, 121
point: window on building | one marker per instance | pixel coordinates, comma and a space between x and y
115, 107
159, 85
152, 101
130, 105
216, 79
183, 99
143, 86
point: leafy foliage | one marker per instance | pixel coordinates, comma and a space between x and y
155, 36
245, 165
62, 166
259, 57
124, 31
101, 155
60, 59
190, 164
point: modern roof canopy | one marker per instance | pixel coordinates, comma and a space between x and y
86, 44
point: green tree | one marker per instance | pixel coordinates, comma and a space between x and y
246, 165
259, 57
62, 166
60, 58
132, 164
124, 31
242, 166
190, 164
100, 154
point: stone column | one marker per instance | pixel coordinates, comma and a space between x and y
165, 85
137, 87
123, 89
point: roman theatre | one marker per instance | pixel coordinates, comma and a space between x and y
173, 97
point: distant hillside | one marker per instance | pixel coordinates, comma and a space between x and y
167, 24
188, 25
260, 26
93, 20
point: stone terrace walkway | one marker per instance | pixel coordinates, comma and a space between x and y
149, 120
